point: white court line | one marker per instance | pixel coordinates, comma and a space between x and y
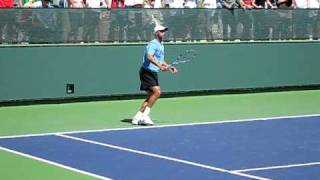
163, 157
278, 167
164, 126
55, 164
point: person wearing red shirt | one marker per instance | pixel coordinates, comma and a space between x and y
6, 4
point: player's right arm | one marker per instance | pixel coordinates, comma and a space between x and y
162, 67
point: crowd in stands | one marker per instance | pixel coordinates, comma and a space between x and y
92, 25
228, 4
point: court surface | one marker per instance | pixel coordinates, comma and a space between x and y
283, 148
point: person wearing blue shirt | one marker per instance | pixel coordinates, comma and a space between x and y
153, 62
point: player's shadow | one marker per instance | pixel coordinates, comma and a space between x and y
129, 121
126, 120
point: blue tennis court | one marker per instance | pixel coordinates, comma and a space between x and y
278, 148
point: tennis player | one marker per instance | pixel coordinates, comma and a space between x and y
153, 62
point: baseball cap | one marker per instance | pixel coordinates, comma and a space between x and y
160, 28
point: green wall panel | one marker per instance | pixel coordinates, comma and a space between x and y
28, 73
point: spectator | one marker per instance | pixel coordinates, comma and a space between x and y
286, 4
230, 19
44, 23
259, 4
310, 18
133, 3
302, 4
300, 17
284, 28
6, 3
134, 26
313, 4
246, 18
271, 4
175, 18
315, 17
117, 4
118, 21
246, 4
176, 3
190, 3
42, 4
76, 4
219, 4
211, 4
212, 18
92, 19
149, 4
261, 20
6, 22
76, 19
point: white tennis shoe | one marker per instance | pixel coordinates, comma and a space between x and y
137, 119
146, 120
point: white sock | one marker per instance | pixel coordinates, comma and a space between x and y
147, 111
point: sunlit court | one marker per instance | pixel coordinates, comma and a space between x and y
203, 90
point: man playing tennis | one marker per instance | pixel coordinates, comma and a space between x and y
153, 62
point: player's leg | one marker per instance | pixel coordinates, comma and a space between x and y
138, 118
149, 83
155, 94
145, 102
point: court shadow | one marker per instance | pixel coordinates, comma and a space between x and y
126, 120
129, 121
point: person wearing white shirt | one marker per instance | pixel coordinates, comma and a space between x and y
313, 4
302, 4
210, 4
190, 4
307, 17
176, 3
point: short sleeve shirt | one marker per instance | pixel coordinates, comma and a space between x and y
156, 49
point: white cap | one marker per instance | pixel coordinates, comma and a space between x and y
160, 28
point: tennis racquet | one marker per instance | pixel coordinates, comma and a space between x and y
185, 57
